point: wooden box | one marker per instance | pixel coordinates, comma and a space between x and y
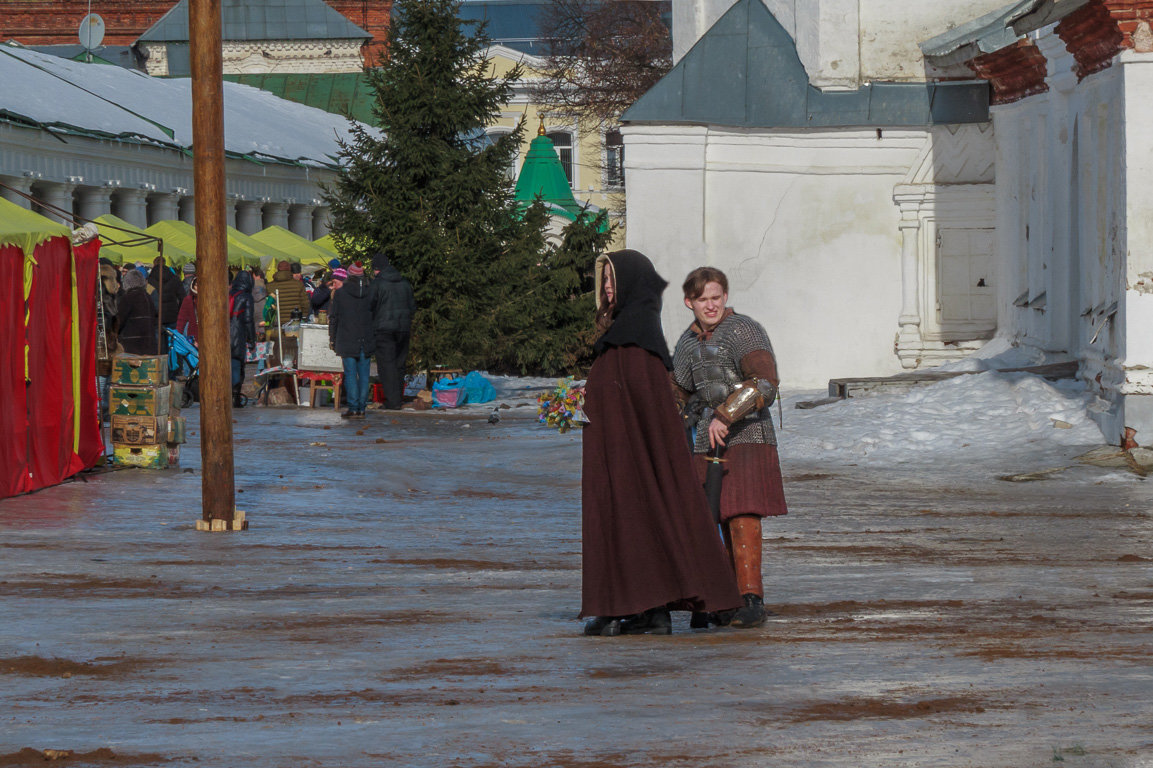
176, 430
139, 430
140, 370
139, 401
147, 456
176, 396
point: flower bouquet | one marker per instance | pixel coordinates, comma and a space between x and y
563, 407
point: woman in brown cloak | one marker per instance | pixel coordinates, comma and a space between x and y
649, 542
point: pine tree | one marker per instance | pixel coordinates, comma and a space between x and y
429, 192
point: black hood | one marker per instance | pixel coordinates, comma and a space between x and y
243, 282
637, 306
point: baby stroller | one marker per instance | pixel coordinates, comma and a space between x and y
184, 363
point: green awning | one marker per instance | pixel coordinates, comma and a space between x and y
183, 236
299, 249
258, 253
111, 232
26, 230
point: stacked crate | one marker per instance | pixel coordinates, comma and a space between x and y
147, 428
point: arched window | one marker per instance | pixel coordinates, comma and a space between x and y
562, 141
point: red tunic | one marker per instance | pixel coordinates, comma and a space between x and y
648, 537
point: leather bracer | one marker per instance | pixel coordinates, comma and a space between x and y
747, 397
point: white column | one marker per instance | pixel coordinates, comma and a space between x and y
321, 222
163, 206
186, 207
909, 341
248, 218
300, 220
94, 201
58, 194
132, 206
275, 215
230, 204
18, 184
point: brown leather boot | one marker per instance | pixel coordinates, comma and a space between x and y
745, 531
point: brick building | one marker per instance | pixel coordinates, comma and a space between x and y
55, 22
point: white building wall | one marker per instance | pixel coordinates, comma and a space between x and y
1075, 222
804, 226
844, 43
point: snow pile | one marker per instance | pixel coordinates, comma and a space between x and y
983, 414
999, 354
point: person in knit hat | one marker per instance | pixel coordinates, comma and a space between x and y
350, 335
289, 292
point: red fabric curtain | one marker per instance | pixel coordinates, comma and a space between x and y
38, 418
13, 408
87, 273
50, 406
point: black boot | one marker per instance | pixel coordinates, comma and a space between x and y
237, 398
654, 621
603, 626
753, 613
702, 620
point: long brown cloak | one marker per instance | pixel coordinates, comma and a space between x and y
649, 539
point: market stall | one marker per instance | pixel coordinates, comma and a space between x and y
49, 407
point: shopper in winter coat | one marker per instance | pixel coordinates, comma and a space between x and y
393, 306
290, 293
241, 330
167, 296
186, 322
136, 316
350, 335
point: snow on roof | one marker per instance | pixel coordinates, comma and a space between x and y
92, 99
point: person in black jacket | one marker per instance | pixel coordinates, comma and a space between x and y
350, 335
166, 297
241, 330
136, 316
393, 306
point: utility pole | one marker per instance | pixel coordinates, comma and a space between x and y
218, 484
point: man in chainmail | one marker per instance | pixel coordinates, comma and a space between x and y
727, 373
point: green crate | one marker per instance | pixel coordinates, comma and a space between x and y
140, 370
147, 456
139, 401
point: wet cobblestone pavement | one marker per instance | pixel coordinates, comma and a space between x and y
408, 590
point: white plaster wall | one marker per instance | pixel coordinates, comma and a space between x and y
844, 43
890, 31
804, 226
1070, 221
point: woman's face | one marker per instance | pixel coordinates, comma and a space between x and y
609, 282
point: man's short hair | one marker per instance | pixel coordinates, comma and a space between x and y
700, 277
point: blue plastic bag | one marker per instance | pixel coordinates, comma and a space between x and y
478, 389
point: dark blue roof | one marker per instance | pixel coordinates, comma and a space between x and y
745, 72
511, 23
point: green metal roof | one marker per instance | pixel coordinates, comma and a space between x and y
262, 20
339, 93
745, 72
541, 175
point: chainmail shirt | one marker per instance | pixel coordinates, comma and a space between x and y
710, 369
